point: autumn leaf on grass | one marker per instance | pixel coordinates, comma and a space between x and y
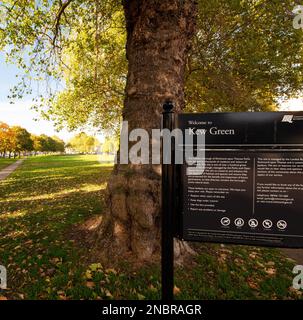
90, 284
88, 274
140, 296
239, 261
108, 294
61, 295
252, 284
56, 261
222, 257
295, 291
271, 271
176, 290
95, 266
253, 255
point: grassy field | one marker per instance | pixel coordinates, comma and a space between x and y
46, 196
5, 162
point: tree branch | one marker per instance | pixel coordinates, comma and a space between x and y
64, 5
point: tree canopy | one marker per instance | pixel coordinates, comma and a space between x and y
15, 139
83, 143
21, 140
246, 55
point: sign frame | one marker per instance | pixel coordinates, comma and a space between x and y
173, 206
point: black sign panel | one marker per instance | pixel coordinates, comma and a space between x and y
251, 191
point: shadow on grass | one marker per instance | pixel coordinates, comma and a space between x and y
37, 207
48, 195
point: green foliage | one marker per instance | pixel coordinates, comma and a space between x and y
49, 144
79, 46
37, 145
59, 144
22, 140
246, 55
95, 78
84, 143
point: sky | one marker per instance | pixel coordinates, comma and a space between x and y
292, 105
20, 113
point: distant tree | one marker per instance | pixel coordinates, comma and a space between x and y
37, 146
47, 143
110, 145
6, 139
17, 139
22, 140
59, 144
84, 143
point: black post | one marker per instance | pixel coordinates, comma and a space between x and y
167, 239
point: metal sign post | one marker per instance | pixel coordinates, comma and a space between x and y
167, 230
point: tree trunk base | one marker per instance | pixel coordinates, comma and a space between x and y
108, 250
130, 229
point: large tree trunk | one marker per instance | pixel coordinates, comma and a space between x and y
158, 40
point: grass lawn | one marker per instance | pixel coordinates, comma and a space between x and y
6, 162
47, 195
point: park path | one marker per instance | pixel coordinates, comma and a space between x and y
4, 173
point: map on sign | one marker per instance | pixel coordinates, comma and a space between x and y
251, 191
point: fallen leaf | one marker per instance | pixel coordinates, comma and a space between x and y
176, 290
140, 296
88, 274
95, 266
253, 255
252, 284
108, 294
90, 284
270, 271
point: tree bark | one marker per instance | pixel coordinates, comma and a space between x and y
158, 39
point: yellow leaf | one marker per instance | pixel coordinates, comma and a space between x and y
95, 266
108, 294
270, 271
88, 274
140, 296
